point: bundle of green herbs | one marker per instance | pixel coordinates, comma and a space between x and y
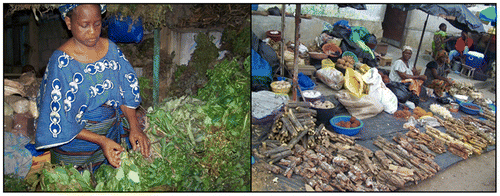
198, 144
211, 135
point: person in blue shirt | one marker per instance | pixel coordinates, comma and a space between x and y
88, 85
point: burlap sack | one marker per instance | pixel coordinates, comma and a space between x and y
361, 108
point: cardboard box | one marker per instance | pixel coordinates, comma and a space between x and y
37, 161
381, 48
307, 70
385, 61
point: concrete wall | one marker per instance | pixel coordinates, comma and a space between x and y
183, 42
311, 28
415, 24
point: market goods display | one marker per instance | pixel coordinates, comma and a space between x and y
323, 105
20, 108
337, 163
282, 87
407, 155
419, 112
425, 142
352, 123
464, 88
202, 132
470, 108
345, 62
297, 118
331, 77
318, 55
354, 83
404, 114
12, 87
442, 111
332, 50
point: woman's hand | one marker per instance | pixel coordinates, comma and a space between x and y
139, 139
112, 151
110, 148
136, 136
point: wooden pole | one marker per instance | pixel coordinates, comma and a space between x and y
282, 63
156, 67
296, 52
420, 44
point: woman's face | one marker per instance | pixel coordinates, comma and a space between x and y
443, 59
85, 24
407, 55
443, 28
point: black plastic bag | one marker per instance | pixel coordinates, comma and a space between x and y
266, 52
275, 11
414, 98
401, 91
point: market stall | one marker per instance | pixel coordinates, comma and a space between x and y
194, 114
365, 171
392, 146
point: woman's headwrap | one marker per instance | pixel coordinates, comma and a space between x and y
441, 54
64, 9
407, 48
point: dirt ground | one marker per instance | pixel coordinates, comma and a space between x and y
475, 174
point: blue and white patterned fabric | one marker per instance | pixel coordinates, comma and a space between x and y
64, 9
73, 93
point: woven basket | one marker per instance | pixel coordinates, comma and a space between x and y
331, 48
318, 55
349, 53
277, 90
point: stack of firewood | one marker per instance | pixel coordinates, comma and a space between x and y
297, 120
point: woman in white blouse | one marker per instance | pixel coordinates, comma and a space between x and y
401, 69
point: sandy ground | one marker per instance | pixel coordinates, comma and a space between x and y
477, 173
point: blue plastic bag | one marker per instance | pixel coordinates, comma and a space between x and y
120, 31
261, 70
305, 81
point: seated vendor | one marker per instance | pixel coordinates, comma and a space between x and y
401, 69
436, 72
464, 43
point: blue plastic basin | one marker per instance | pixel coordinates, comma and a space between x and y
469, 110
342, 130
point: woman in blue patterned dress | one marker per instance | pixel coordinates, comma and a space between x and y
88, 83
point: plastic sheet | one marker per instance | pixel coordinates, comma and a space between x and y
124, 29
386, 126
331, 77
16, 158
265, 102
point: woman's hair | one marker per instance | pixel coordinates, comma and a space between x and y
442, 25
440, 54
69, 14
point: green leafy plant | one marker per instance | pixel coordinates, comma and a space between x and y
14, 183
198, 144
145, 84
205, 53
238, 40
57, 177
